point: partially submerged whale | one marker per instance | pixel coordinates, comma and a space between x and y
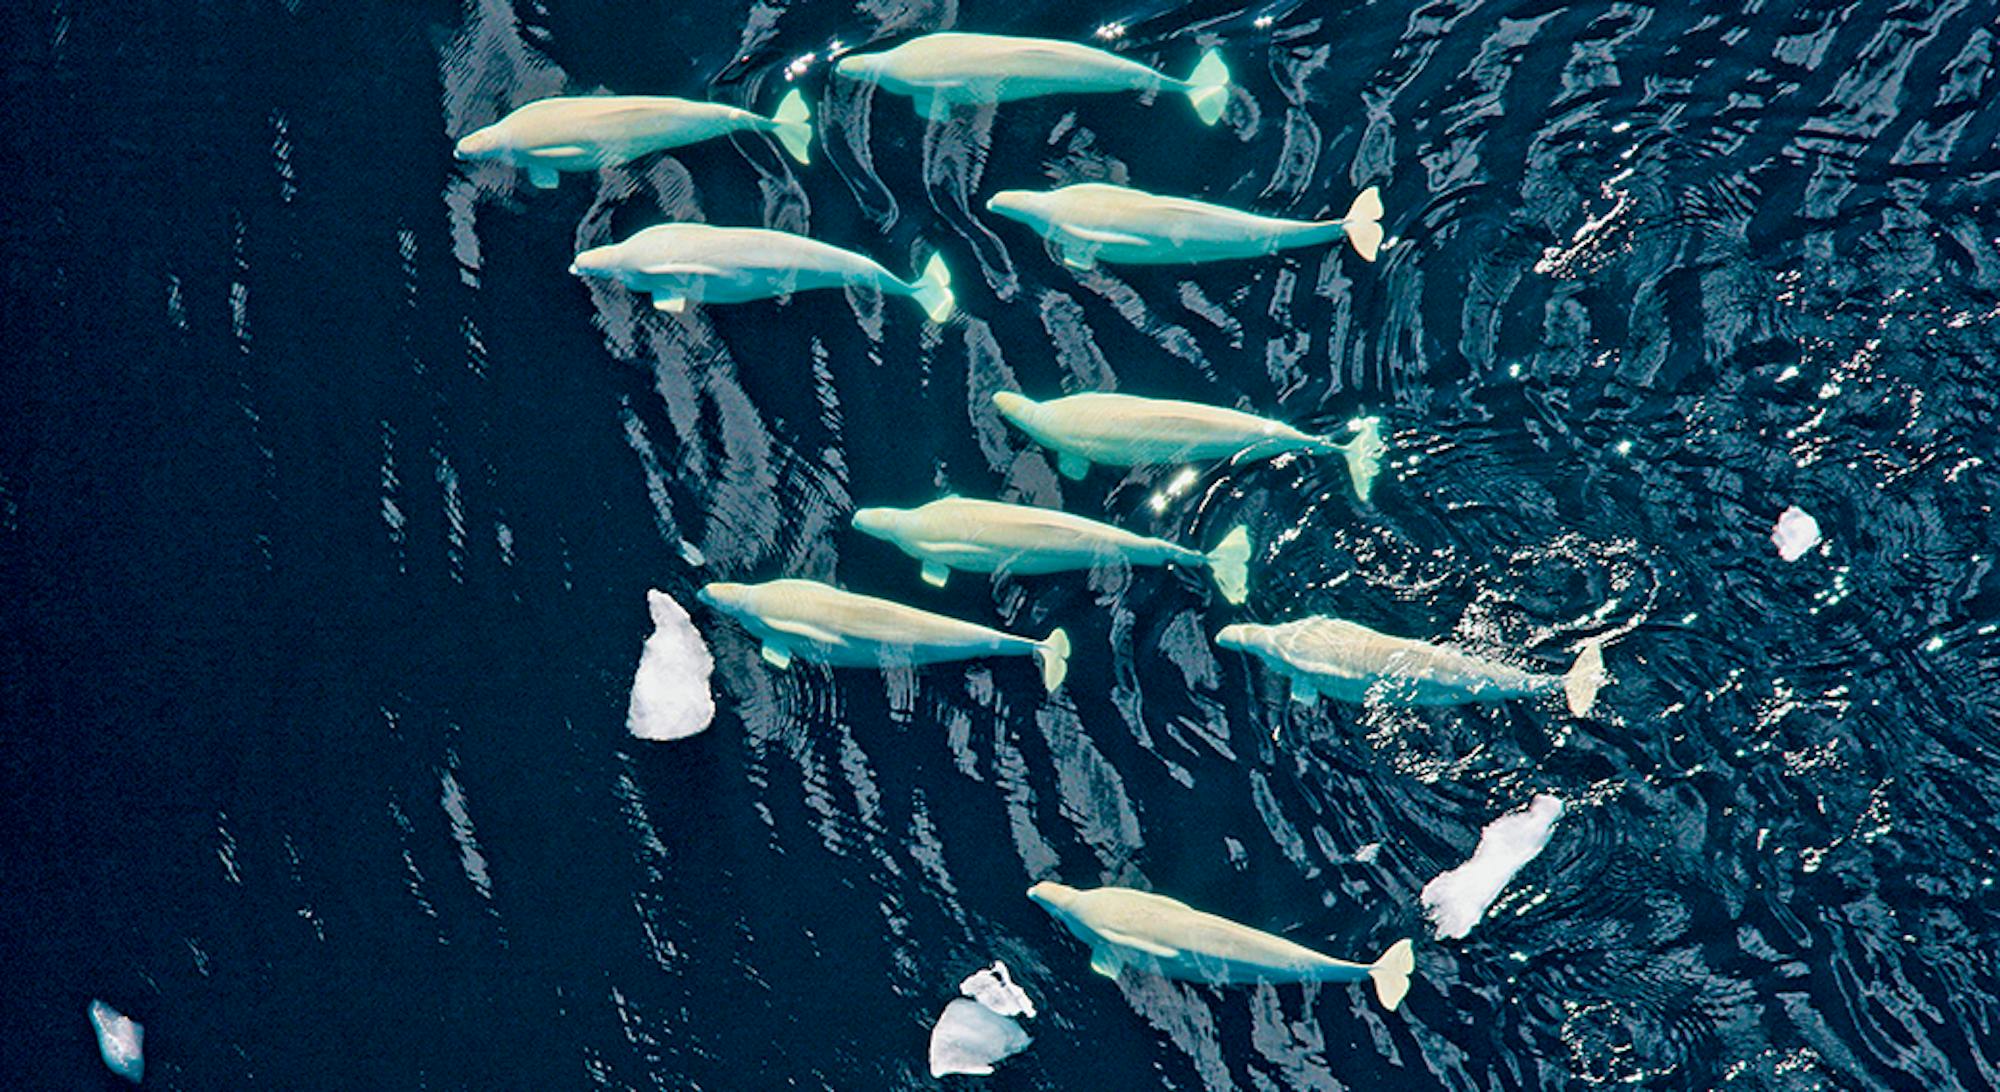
940, 71
1095, 222
1347, 661
985, 536
824, 624
1163, 936
570, 133
682, 264
1127, 430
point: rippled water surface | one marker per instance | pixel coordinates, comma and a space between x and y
329, 502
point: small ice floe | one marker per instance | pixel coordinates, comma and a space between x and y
119, 1039
670, 697
1456, 900
1795, 533
979, 1029
995, 988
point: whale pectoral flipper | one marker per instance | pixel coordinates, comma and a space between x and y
544, 178
935, 574
775, 656
1105, 961
1072, 466
671, 304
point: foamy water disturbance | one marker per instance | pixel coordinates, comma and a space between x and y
398, 746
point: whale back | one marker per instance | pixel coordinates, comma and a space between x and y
1178, 221
617, 119
953, 59
746, 251
1157, 925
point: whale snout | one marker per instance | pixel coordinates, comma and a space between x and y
595, 262
1013, 204
877, 522
1011, 404
721, 595
854, 68
479, 144
1234, 635
1050, 894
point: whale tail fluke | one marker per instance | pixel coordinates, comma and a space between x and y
794, 120
1364, 223
1208, 87
1229, 564
1363, 454
1053, 656
1391, 974
933, 289
1584, 679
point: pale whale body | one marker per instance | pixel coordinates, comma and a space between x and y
682, 264
1127, 430
985, 536
824, 624
1166, 937
1346, 661
1095, 222
586, 133
940, 71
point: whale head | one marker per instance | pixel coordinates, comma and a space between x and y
1236, 635
1012, 406
859, 66
730, 599
598, 261
1026, 206
1054, 897
879, 523
480, 144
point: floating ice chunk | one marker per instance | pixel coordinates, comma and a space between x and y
1795, 533
1456, 900
670, 698
995, 988
969, 1038
119, 1039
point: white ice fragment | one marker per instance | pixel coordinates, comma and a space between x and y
1795, 533
1457, 899
670, 698
969, 1038
995, 988
119, 1039
1367, 854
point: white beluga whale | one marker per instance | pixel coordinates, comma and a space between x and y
1127, 430
940, 71
983, 536
1166, 937
1347, 661
584, 133
683, 264
824, 624
1093, 222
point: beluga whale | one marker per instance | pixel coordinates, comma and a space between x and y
1093, 222
584, 133
1127, 430
984, 536
683, 264
1158, 935
940, 71
823, 624
1347, 661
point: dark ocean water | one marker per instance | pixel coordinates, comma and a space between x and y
329, 501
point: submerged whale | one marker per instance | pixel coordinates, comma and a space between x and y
1127, 430
584, 133
824, 624
1095, 222
940, 71
985, 536
682, 264
1350, 662
1163, 936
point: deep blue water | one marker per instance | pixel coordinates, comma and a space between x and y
329, 501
